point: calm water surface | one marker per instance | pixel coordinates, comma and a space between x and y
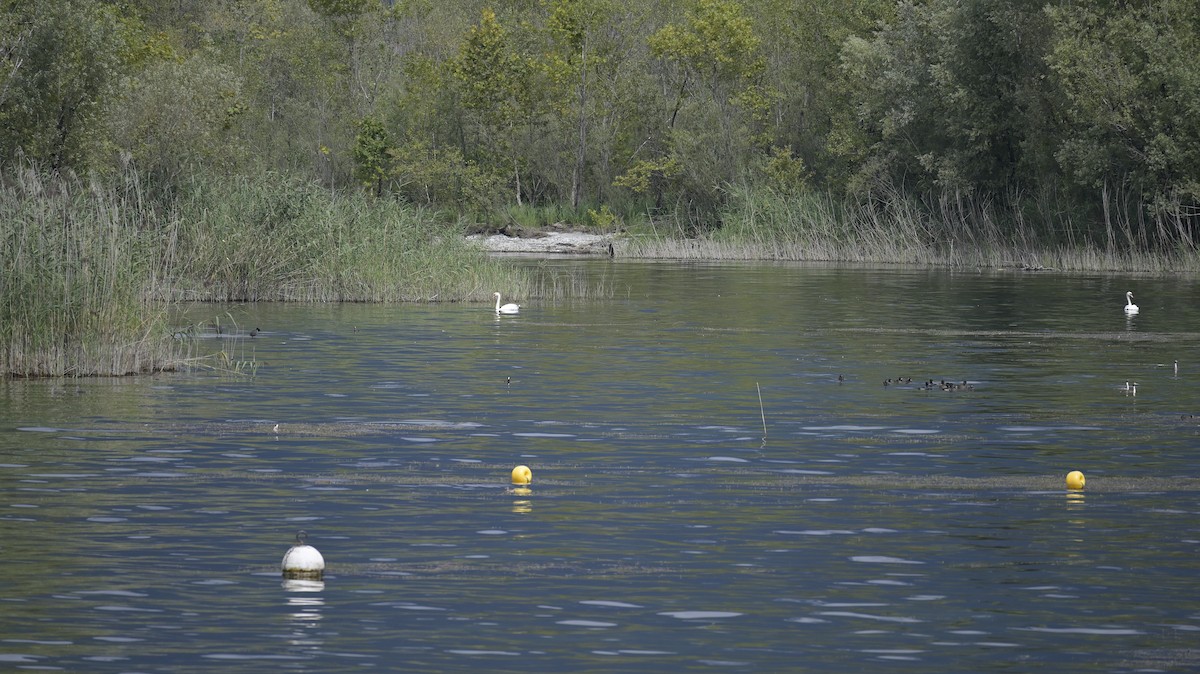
878, 528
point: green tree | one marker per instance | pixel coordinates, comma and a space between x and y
180, 115
716, 69
574, 24
954, 96
373, 150
808, 92
343, 8
717, 50
442, 177
1132, 89
300, 116
495, 87
60, 67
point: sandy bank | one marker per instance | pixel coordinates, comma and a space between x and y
548, 243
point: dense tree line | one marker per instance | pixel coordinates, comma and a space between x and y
1070, 114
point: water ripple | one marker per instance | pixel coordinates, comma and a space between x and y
700, 615
869, 616
882, 559
1122, 631
611, 604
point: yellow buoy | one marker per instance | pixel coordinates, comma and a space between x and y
1075, 480
521, 475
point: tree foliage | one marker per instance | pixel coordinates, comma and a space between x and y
1131, 97
955, 95
653, 108
61, 62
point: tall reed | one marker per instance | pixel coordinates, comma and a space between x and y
950, 230
90, 271
256, 238
77, 268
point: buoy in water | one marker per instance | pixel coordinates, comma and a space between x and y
1075, 480
522, 475
303, 561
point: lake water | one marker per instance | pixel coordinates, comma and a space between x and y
876, 527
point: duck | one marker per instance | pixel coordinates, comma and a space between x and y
505, 308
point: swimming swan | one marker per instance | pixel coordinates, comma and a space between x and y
1130, 307
507, 308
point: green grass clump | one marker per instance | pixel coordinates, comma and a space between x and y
263, 238
92, 270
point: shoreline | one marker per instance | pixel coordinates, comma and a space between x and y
548, 243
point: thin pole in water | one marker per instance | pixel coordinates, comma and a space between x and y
761, 411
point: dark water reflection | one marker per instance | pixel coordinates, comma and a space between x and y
882, 527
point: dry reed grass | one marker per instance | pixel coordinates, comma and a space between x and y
952, 232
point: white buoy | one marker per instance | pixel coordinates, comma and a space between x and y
303, 561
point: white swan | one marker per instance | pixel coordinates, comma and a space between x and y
506, 308
1130, 307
